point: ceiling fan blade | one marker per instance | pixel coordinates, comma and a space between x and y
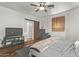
50, 6
37, 10
33, 5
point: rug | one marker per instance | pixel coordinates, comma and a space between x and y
24, 52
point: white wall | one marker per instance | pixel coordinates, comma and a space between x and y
71, 24
11, 18
46, 23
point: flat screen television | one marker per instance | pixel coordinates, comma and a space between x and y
13, 32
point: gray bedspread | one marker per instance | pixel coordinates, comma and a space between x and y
62, 48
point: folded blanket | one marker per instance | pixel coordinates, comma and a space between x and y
44, 44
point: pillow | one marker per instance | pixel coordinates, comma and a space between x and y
77, 48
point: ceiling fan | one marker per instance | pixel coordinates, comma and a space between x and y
42, 6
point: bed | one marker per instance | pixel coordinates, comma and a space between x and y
55, 47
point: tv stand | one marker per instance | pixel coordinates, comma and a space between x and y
12, 40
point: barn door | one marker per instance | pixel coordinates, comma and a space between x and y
36, 31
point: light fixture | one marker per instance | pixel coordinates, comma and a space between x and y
42, 8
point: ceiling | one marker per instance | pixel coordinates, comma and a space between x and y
26, 8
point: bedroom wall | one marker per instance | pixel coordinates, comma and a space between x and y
11, 18
46, 23
71, 24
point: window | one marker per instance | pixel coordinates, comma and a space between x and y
58, 24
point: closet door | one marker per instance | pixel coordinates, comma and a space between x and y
36, 31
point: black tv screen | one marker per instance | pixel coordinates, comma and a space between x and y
13, 32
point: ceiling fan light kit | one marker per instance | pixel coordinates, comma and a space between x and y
42, 8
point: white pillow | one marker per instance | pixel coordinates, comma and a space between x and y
77, 48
